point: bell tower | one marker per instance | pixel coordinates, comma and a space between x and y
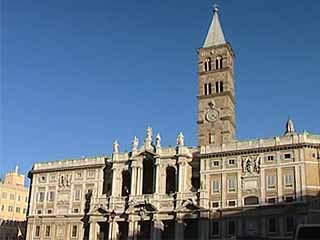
216, 97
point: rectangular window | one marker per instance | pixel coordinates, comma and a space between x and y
17, 210
19, 198
289, 224
288, 179
232, 184
271, 200
289, 199
205, 89
48, 230
52, 178
271, 179
2, 208
217, 87
24, 211
209, 88
41, 197
77, 195
215, 186
91, 174
287, 156
50, 196
39, 211
215, 164
215, 228
215, 204
272, 225
76, 210
37, 232
232, 203
232, 161
26, 199
10, 209
231, 227
74, 232
11, 196
4, 195
49, 211
270, 158
79, 175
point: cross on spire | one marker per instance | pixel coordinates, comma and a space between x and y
215, 34
215, 6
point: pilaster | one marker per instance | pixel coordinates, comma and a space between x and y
279, 184
262, 186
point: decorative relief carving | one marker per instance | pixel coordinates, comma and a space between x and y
65, 180
251, 165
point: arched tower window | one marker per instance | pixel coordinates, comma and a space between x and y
148, 177
252, 200
207, 65
170, 180
126, 183
219, 62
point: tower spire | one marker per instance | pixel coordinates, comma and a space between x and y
215, 34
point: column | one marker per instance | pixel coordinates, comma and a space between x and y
263, 186
158, 177
279, 184
131, 232
139, 182
113, 230
133, 180
239, 190
93, 230
179, 230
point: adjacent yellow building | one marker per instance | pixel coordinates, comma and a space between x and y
13, 197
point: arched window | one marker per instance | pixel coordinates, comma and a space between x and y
148, 177
219, 61
170, 180
252, 200
126, 183
207, 65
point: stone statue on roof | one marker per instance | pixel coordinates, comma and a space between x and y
180, 140
116, 147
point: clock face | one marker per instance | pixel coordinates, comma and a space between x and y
212, 115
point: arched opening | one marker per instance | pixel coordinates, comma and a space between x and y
219, 62
170, 180
207, 65
148, 177
252, 200
126, 183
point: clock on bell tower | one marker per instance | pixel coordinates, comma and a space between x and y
216, 101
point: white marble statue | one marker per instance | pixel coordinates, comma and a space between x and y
158, 141
116, 147
180, 140
135, 144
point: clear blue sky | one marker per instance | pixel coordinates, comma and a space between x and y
76, 75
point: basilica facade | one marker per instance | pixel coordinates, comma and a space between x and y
224, 188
